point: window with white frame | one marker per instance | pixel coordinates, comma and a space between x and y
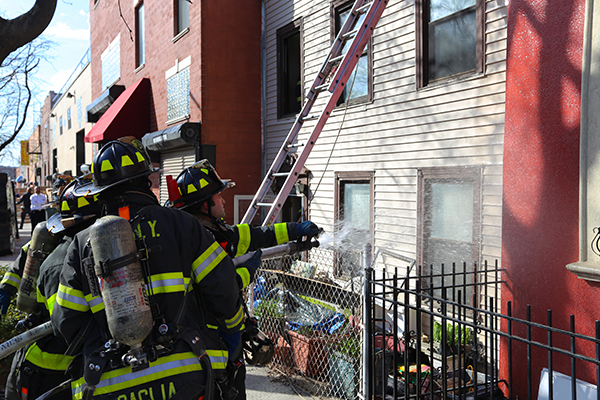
178, 91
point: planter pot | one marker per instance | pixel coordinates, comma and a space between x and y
283, 351
309, 354
343, 374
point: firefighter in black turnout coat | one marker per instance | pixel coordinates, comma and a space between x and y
188, 275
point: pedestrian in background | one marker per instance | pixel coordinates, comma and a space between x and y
37, 214
25, 202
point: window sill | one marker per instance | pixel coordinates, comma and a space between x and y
180, 34
176, 120
138, 69
588, 270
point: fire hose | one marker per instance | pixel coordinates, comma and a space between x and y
40, 331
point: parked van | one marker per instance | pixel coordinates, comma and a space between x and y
8, 215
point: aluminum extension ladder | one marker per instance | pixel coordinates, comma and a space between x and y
332, 78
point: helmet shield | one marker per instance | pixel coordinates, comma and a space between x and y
198, 183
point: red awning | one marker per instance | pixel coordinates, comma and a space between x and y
129, 115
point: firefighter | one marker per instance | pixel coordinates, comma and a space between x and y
201, 195
187, 275
11, 281
42, 366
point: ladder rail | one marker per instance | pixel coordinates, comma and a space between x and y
336, 85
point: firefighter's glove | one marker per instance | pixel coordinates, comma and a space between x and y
253, 264
4, 301
307, 228
233, 342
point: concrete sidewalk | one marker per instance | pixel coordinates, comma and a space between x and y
261, 384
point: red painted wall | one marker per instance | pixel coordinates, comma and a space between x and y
224, 45
541, 174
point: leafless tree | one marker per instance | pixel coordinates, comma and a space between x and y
16, 89
19, 31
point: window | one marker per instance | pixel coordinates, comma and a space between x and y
182, 20
289, 69
178, 91
111, 63
449, 217
354, 210
60, 124
139, 35
449, 39
359, 86
79, 111
69, 118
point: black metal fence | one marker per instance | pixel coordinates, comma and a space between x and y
440, 334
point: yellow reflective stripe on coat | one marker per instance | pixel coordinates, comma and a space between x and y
218, 358
124, 378
236, 320
56, 362
171, 282
244, 242
71, 298
208, 261
40, 298
245, 275
95, 303
11, 279
281, 233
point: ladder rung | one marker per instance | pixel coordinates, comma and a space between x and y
278, 174
363, 8
321, 88
264, 204
310, 117
336, 59
349, 34
294, 146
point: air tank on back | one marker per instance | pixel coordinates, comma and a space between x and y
123, 289
41, 245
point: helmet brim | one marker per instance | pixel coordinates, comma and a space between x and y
91, 188
226, 185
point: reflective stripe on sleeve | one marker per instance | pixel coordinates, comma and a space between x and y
171, 282
244, 243
11, 279
95, 303
208, 261
56, 362
218, 358
71, 298
281, 233
245, 275
236, 320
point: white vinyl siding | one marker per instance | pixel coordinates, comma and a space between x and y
457, 123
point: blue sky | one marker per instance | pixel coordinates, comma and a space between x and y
70, 32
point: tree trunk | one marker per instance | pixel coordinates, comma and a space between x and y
23, 29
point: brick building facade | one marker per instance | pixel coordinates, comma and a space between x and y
166, 63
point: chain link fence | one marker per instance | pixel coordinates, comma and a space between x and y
311, 304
